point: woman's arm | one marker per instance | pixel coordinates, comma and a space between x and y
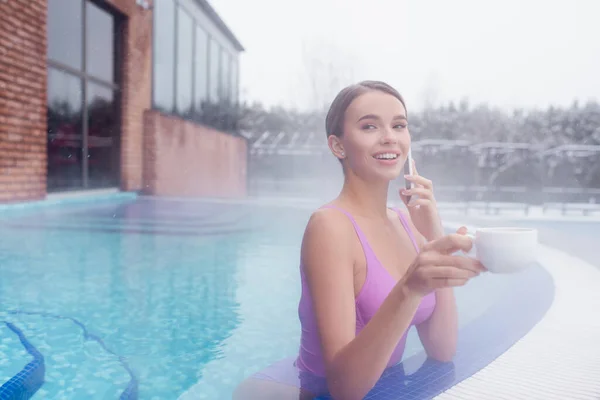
439, 334
354, 363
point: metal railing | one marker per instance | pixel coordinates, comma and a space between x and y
491, 175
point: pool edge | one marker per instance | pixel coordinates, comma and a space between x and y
58, 200
528, 368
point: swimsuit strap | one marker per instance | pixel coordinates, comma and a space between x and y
407, 228
361, 236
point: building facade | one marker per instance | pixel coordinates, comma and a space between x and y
126, 94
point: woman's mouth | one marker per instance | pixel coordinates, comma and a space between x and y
387, 158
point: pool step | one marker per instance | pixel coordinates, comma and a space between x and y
13, 356
23, 382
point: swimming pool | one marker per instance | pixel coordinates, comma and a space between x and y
170, 296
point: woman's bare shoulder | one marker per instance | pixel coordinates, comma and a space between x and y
329, 233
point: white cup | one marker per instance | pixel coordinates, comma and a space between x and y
505, 250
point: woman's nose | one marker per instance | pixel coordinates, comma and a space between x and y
389, 137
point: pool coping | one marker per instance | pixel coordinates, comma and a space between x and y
108, 195
559, 357
83, 198
446, 210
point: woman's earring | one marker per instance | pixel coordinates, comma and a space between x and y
343, 154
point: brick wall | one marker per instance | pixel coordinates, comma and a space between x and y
137, 89
188, 160
214, 164
22, 100
23, 85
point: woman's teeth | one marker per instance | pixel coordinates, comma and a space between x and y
387, 156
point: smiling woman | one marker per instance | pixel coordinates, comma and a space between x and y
368, 272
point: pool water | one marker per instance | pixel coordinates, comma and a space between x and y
195, 296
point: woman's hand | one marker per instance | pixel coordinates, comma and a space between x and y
435, 267
422, 206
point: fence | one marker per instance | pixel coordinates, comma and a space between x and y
492, 175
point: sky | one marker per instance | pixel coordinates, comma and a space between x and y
508, 54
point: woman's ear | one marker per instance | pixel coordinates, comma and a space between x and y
336, 147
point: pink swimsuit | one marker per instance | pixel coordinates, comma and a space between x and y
378, 284
307, 371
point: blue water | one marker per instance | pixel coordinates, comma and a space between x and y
191, 294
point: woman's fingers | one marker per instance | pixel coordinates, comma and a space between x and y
418, 202
449, 282
463, 263
451, 273
431, 259
450, 244
423, 193
419, 180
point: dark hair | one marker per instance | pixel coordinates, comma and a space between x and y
334, 122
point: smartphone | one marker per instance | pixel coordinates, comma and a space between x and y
408, 170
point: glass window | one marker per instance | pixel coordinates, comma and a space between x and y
100, 45
201, 67
65, 135
64, 30
185, 54
103, 136
234, 80
225, 75
214, 71
164, 52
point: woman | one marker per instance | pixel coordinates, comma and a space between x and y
369, 273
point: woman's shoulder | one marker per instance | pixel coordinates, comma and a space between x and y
328, 219
329, 241
328, 226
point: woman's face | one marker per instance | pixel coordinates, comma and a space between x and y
376, 140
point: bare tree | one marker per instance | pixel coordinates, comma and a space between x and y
328, 69
430, 92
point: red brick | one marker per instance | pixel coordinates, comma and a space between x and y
152, 154
190, 160
22, 100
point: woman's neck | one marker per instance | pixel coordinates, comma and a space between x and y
367, 199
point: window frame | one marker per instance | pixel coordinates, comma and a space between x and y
232, 55
85, 78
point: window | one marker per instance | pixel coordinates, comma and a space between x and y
225, 76
65, 32
234, 81
103, 135
201, 67
164, 54
65, 130
185, 54
82, 98
100, 58
193, 66
214, 71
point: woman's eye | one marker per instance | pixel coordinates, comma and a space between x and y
368, 126
400, 126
